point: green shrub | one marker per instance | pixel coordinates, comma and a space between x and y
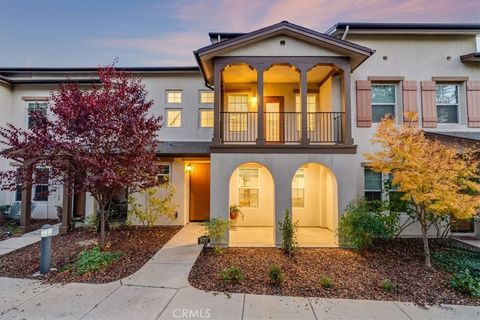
464, 282
275, 274
289, 234
387, 285
91, 223
94, 259
232, 274
456, 260
359, 225
326, 282
216, 230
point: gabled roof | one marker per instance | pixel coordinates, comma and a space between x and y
204, 55
404, 28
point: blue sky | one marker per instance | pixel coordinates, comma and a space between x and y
164, 33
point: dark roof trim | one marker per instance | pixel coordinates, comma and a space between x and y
91, 69
286, 24
55, 81
356, 27
4, 80
471, 57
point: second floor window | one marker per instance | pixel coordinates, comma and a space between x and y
238, 108
447, 103
206, 97
311, 109
206, 118
174, 118
383, 101
35, 107
174, 96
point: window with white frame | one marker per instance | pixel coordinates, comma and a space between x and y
447, 103
206, 97
41, 185
373, 185
174, 118
298, 189
174, 96
383, 101
35, 108
238, 116
165, 174
248, 187
311, 108
206, 118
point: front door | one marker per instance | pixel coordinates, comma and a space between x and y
199, 192
274, 119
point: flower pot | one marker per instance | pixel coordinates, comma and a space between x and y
233, 215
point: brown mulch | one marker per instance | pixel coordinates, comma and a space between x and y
138, 245
35, 224
355, 275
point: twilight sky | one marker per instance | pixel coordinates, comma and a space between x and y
51, 33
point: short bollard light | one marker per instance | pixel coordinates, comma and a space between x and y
46, 248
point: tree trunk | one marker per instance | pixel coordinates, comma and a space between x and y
102, 228
426, 248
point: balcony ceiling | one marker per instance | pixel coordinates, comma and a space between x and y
276, 74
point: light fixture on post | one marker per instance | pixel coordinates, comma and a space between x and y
46, 233
188, 168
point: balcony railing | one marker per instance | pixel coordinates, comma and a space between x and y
282, 127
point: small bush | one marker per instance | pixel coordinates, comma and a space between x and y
91, 223
275, 274
217, 250
387, 285
464, 282
289, 234
232, 274
326, 282
359, 225
216, 230
93, 260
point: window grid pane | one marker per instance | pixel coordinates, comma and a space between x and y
165, 174
206, 97
206, 118
35, 107
373, 180
238, 103
174, 118
383, 94
447, 103
174, 96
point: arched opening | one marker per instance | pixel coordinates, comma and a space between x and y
252, 191
315, 205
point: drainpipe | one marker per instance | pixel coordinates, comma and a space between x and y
347, 28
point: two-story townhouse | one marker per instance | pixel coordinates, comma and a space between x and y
279, 118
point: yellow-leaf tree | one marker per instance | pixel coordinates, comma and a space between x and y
436, 180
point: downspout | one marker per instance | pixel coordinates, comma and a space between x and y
347, 28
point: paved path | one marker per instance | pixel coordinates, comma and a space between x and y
24, 240
160, 290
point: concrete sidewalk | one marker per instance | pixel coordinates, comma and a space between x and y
24, 240
160, 290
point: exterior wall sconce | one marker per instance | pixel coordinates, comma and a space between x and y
253, 100
188, 168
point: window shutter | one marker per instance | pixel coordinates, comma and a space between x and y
409, 98
473, 103
364, 103
429, 105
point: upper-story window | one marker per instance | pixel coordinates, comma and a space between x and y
383, 101
174, 96
206, 118
206, 97
447, 103
174, 118
237, 106
35, 107
311, 108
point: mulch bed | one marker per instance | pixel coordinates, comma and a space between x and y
355, 275
138, 245
36, 224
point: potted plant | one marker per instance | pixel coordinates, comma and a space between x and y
3, 214
234, 214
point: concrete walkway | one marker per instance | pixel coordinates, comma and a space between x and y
24, 240
160, 290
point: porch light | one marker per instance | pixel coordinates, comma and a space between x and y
253, 100
46, 231
188, 168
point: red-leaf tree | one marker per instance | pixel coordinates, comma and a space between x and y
101, 140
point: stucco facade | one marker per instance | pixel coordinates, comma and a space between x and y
333, 164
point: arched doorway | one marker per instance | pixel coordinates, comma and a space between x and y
252, 190
315, 205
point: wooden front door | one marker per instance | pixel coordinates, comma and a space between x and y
274, 118
199, 192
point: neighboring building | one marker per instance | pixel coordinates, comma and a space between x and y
279, 118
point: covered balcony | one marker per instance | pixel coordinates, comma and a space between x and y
282, 103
